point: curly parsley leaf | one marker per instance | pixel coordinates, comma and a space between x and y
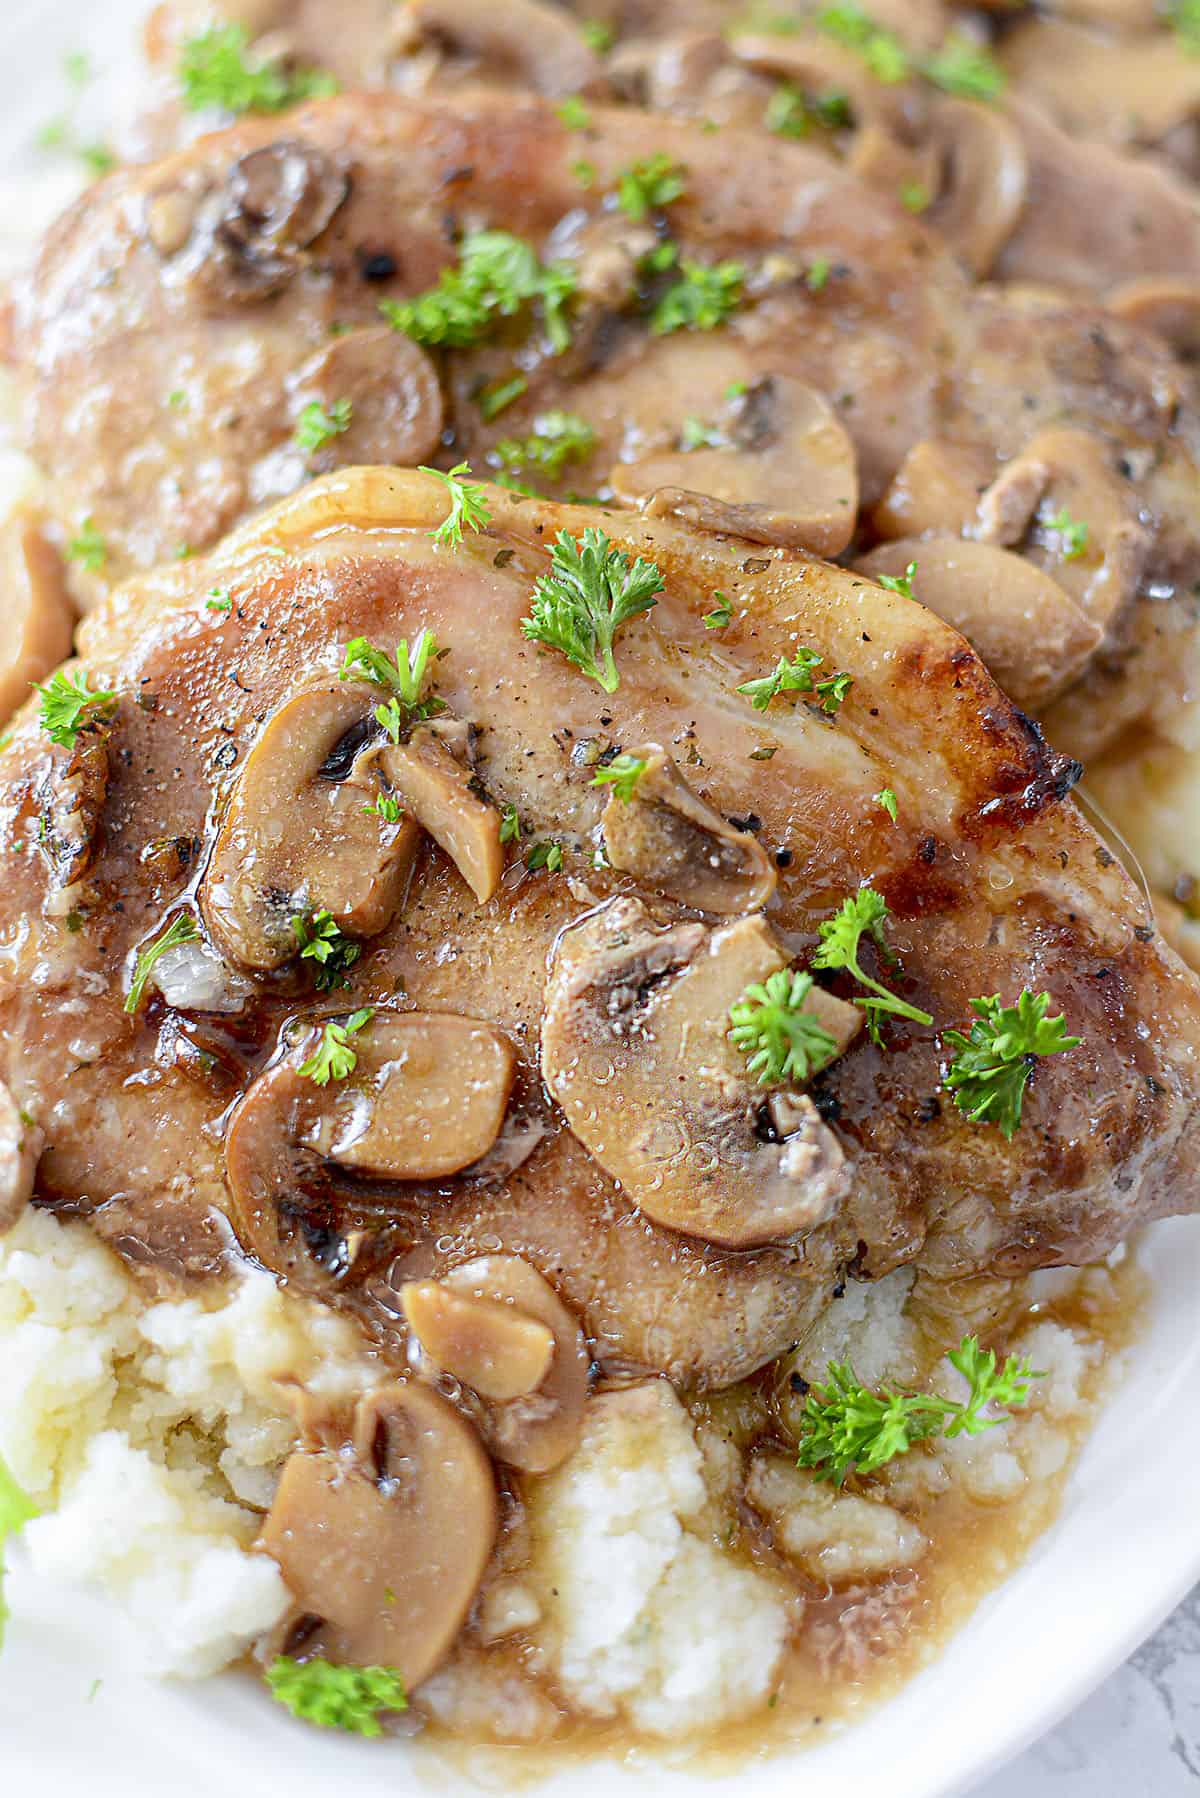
882, 51
337, 1697
334, 1058
557, 438
622, 774
993, 1065
649, 185
404, 677
899, 583
778, 1037
468, 507
69, 706
510, 825
863, 914
1072, 533
965, 69
589, 593
701, 299
87, 547
16, 1510
316, 427
215, 73
181, 930
497, 274
320, 941
887, 799
847, 1428
548, 855
722, 612
796, 676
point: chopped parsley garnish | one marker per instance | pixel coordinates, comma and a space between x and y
1184, 16
216, 73
899, 583
597, 35
219, 600
16, 1510
510, 825
847, 1428
887, 799
87, 547
915, 196
719, 617
497, 274
584, 172
69, 705
817, 273
702, 298
589, 593
556, 439
796, 676
468, 507
336, 1697
778, 1037
181, 930
333, 1058
882, 51
320, 941
694, 434
649, 185
548, 855
793, 113
966, 69
573, 113
1072, 533
993, 1065
622, 774
385, 806
493, 400
403, 678
316, 427
863, 913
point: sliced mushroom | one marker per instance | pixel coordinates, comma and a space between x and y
635, 1050
1031, 634
1124, 90
782, 470
426, 1099
1168, 306
882, 159
691, 74
982, 181
935, 489
817, 66
1067, 472
296, 837
245, 241
508, 1331
392, 389
21, 1145
72, 798
533, 45
445, 798
383, 1538
37, 617
668, 836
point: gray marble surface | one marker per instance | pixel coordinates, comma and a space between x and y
1137, 1737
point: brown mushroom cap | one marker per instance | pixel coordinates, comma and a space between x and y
496, 1350
1165, 304
669, 837
443, 796
537, 1427
394, 394
426, 1099
635, 1050
784, 471
1031, 633
982, 182
37, 617
294, 839
537, 45
386, 1538
936, 489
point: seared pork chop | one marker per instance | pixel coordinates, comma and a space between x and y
180, 1120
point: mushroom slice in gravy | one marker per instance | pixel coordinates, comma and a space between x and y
426, 1098
383, 1535
635, 1050
446, 799
296, 837
500, 1328
669, 837
37, 618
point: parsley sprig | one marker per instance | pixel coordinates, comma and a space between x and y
216, 73
863, 914
622, 774
322, 942
334, 1058
701, 299
497, 275
404, 677
88, 547
993, 1065
316, 427
847, 1428
16, 1510
796, 676
1072, 533
468, 507
778, 1037
181, 930
649, 185
337, 1697
557, 438
69, 705
589, 593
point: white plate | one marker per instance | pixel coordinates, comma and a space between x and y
1124, 1551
